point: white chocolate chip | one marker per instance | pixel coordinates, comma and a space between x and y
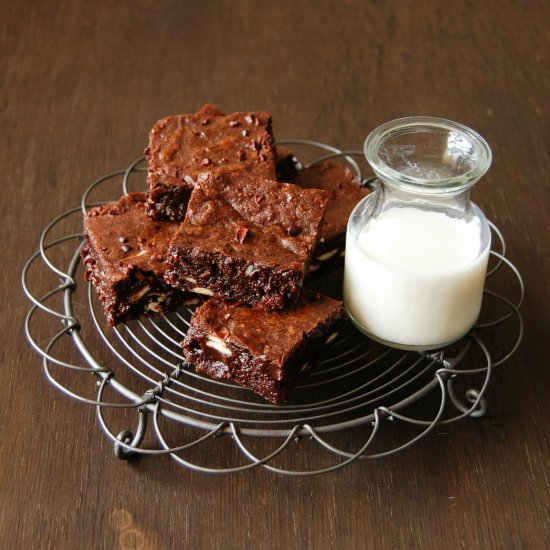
218, 344
327, 255
154, 302
154, 306
192, 302
138, 294
141, 253
249, 270
201, 290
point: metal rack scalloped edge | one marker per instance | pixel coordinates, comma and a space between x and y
363, 385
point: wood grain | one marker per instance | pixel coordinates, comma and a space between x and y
80, 85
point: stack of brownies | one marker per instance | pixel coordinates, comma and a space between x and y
229, 218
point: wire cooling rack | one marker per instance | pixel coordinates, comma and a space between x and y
357, 384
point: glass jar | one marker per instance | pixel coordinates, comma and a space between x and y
417, 248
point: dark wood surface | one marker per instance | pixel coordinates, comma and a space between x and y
80, 85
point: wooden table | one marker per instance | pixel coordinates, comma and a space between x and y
82, 82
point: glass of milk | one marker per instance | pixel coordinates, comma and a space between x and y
417, 248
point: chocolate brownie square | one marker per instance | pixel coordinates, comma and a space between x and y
124, 256
266, 351
246, 239
345, 191
182, 147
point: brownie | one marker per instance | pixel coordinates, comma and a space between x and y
124, 256
182, 147
345, 191
246, 239
266, 351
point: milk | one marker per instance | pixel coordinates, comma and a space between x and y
415, 277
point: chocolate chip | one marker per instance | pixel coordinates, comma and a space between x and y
241, 155
206, 162
262, 157
122, 240
233, 123
244, 133
141, 240
250, 118
126, 248
293, 230
205, 121
200, 134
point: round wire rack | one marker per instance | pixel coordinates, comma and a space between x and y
357, 384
